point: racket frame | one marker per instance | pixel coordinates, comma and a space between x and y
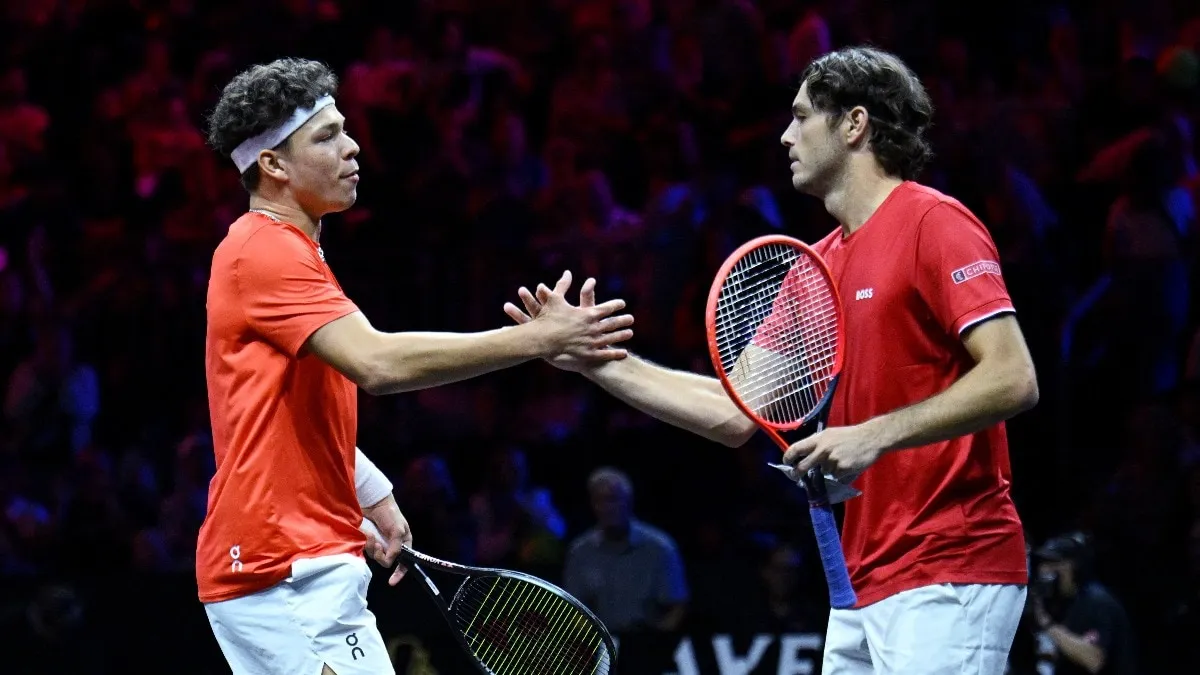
413, 559
714, 351
814, 480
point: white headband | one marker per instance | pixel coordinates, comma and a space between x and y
246, 153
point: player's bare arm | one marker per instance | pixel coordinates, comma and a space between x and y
1002, 384
692, 402
385, 363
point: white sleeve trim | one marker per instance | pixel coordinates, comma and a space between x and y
985, 317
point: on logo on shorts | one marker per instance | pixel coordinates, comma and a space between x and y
355, 650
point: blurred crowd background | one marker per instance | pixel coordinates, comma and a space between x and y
631, 140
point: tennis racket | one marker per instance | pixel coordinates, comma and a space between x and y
517, 624
775, 335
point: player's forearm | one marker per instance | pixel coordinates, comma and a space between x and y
686, 400
1075, 648
986, 395
418, 360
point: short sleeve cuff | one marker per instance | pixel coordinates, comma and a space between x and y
980, 314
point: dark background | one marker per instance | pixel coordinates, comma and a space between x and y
633, 140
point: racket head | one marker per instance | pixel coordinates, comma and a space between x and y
514, 623
517, 624
777, 294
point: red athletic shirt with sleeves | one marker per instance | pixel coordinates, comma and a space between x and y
283, 422
913, 279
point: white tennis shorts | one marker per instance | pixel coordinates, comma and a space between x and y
316, 617
933, 630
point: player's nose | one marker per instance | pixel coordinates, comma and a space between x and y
786, 138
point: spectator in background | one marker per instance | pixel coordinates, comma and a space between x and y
431, 503
23, 124
742, 574
1146, 248
1086, 625
170, 544
27, 526
784, 602
52, 397
52, 629
93, 519
1138, 510
629, 573
516, 524
15, 335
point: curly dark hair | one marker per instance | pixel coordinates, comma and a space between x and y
261, 97
898, 105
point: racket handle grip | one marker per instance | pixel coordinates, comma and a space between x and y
829, 543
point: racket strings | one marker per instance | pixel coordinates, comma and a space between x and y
757, 289
821, 334
778, 299
760, 296
515, 627
787, 389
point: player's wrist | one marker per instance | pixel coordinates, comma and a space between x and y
882, 436
602, 371
531, 341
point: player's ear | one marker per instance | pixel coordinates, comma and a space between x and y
854, 125
271, 163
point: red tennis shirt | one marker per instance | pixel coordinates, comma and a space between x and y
283, 422
913, 279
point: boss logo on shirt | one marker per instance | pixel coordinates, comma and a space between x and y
864, 293
975, 269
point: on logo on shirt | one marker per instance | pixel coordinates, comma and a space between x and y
235, 552
975, 269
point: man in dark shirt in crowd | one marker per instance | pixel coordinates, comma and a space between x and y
1083, 627
628, 572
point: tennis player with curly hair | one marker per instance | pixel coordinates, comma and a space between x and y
279, 561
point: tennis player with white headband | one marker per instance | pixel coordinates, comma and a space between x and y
246, 153
279, 562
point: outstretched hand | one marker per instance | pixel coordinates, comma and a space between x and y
535, 304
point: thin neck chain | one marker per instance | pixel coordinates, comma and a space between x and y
272, 216
268, 214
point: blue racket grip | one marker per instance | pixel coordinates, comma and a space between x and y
829, 543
